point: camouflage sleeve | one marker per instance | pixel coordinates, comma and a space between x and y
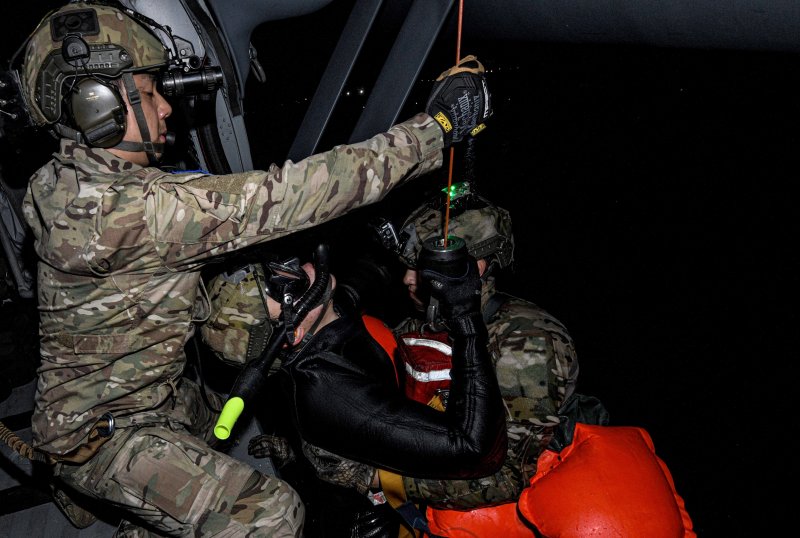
535, 359
504, 486
195, 216
537, 369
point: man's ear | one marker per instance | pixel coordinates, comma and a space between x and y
482, 265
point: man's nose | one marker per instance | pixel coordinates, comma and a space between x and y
410, 278
308, 267
164, 108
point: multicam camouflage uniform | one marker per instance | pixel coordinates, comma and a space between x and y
121, 248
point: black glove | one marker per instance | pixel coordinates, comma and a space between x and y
460, 101
459, 293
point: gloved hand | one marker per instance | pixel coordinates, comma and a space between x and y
338, 470
271, 446
460, 100
459, 293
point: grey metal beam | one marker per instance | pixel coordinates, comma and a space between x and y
344, 56
402, 67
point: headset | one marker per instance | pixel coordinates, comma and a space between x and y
95, 106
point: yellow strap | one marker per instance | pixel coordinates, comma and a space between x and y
392, 486
436, 402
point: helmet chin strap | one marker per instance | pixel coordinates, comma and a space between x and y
151, 148
146, 145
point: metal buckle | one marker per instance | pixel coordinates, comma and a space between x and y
107, 431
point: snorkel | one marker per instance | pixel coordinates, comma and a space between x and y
254, 374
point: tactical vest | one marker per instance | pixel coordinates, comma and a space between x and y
238, 327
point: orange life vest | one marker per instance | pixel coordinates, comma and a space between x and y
381, 334
608, 482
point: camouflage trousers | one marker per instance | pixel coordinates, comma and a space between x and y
170, 481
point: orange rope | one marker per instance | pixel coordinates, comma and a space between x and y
452, 149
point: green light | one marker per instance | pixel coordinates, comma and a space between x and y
457, 190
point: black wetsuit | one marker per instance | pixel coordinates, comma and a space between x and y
340, 389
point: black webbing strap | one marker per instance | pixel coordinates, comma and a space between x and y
414, 517
135, 99
494, 303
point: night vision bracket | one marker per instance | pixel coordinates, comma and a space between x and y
13, 106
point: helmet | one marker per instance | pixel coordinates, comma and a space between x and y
71, 61
484, 227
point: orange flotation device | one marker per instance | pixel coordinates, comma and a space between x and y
607, 482
381, 334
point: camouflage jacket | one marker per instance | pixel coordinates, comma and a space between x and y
121, 248
537, 368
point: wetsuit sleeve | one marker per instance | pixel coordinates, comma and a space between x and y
341, 408
196, 216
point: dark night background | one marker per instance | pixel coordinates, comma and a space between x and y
653, 198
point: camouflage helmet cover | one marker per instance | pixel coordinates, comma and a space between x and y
484, 227
117, 44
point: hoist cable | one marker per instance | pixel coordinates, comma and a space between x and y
452, 148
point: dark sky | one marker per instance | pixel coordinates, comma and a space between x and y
653, 198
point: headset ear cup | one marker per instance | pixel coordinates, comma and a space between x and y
98, 112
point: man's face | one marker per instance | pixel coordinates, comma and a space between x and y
274, 307
156, 110
411, 281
